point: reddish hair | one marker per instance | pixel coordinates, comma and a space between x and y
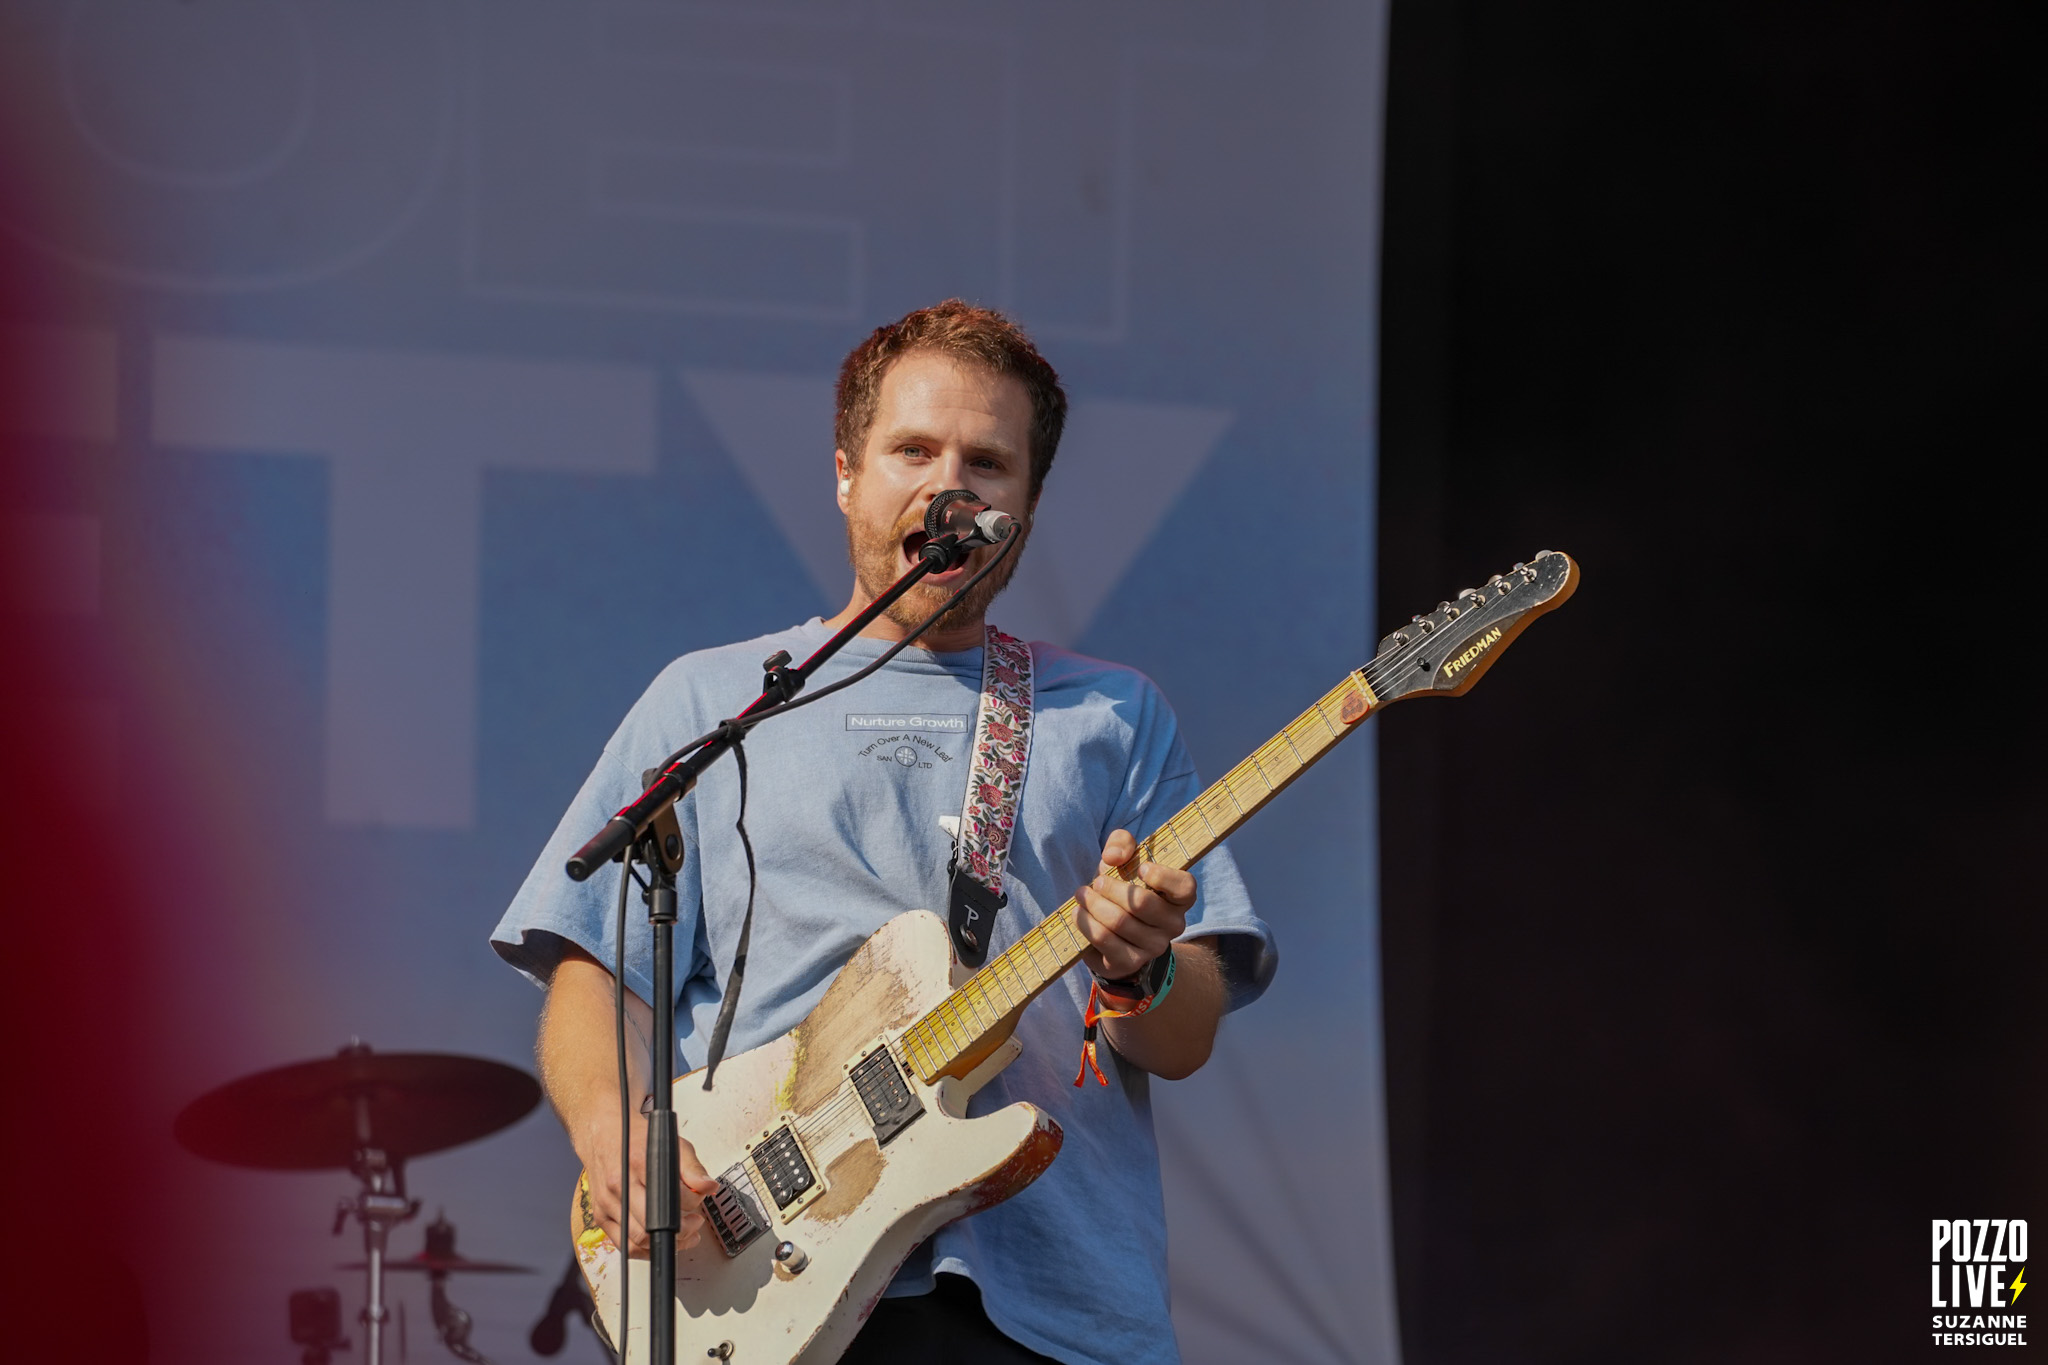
961, 330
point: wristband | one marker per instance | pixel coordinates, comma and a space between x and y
1148, 985
1095, 1013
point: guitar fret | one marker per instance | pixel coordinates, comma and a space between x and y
1019, 990
1288, 735
964, 1015
1063, 930
1059, 955
975, 997
1029, 977
995, 995
1030, 942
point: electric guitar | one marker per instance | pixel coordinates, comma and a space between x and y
841, 1145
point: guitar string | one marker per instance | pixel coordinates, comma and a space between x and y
1278, 746
1377, 674
1281, 746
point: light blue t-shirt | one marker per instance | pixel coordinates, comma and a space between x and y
843, 804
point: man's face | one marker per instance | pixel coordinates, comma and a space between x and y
939, 423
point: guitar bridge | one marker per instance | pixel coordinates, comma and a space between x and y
889, 1099
733, 1217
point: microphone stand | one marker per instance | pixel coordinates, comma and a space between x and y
641, 834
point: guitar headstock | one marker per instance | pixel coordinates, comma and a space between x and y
1445, 651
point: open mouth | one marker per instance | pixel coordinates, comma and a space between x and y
916, 541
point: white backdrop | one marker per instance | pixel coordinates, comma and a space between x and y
470, 355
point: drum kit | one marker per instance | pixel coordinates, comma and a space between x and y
368, 1113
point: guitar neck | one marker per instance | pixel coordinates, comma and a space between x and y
956, 1031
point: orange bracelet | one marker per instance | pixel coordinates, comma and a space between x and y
1094, 1013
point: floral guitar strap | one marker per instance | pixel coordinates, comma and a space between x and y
995, 783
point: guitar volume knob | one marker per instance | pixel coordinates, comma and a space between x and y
791, 1258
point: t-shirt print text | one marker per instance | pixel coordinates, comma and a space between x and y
910, 742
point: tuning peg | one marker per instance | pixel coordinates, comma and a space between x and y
1424, 622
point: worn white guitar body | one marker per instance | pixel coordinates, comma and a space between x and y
843, 1142
864, 1204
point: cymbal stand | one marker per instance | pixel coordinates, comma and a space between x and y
451, 1322
380, 1207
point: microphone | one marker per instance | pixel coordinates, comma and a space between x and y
961, 520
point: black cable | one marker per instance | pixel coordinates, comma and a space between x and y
730, 1005
733, 731
625, 1112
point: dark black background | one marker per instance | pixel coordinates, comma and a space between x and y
1713, 922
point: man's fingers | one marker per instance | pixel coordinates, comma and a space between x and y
613, 1210
1122, 940
693, 1173
1117, 849
1156, 908
1174, 884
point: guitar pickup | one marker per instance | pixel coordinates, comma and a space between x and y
783, 1167
733, 1217
890, 1101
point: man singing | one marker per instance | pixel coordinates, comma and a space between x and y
853, 806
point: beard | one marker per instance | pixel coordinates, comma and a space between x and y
877, 563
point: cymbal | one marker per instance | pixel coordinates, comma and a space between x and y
313, 1116
443, 1265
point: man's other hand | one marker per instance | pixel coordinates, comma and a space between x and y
1129, 923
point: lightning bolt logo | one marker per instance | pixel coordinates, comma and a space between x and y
2019, 1282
